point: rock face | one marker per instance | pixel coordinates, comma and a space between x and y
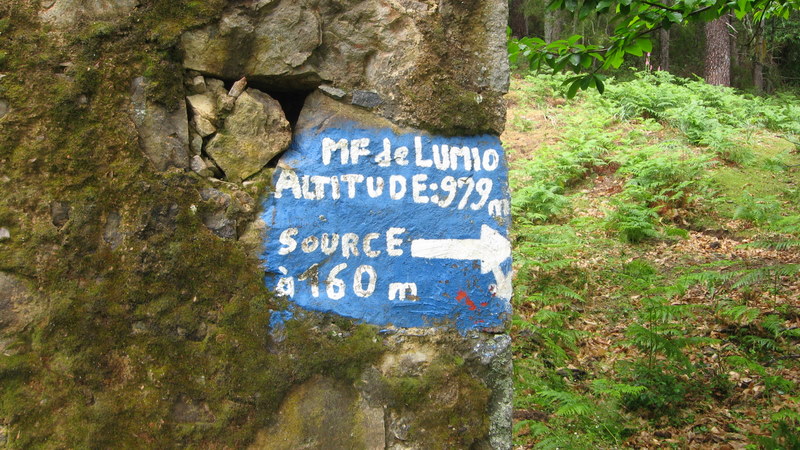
65, 13
320, 412
254, 132
163, 134
436, 64
134, 309
15, 307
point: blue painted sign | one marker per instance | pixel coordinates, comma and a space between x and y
408, 230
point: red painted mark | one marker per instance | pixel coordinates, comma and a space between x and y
463, 296
484, 305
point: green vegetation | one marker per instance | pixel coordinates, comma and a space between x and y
656, 249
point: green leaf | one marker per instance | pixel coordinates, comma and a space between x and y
645, 45
586, 9
575, 59
615, 58
634, 49
675, 17
573, 88
597, 56
599, 84
603, 5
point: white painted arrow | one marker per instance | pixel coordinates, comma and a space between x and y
491, 249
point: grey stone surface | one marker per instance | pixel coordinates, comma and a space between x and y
216, 219
324, 413
198, 165
496, 352
163, 134
59, 213
66, 13
186, 410
17, 309
196, 84
4, 233
267, 41
254, 132
333, 91
219, 224
195, 142
112, 234
3, 108
367, 99
204, 113
238, 88
253, 237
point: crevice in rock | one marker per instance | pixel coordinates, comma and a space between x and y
291, 99
291, 102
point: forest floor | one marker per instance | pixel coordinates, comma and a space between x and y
657, 259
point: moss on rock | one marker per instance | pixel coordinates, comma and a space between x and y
162, 340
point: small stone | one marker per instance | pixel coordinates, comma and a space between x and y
198, 165
367, 99
238, 87
196, 84
203, 126
3, 108
139, 328
47, 3
254, 133
227, 103
59, 213
195, 142
111, 234
187, 410
4, 233
332, 91
216, 86
215, 196
203, 105
220, 225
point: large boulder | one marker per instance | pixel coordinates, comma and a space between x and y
413, 57
254, 132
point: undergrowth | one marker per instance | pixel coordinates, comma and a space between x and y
656, 298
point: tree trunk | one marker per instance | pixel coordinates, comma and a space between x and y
718, 52
516, 19
553, 25
759, 58
663, 61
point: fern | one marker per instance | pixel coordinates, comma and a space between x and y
741, 314
742, 362
614, 390
568, 404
